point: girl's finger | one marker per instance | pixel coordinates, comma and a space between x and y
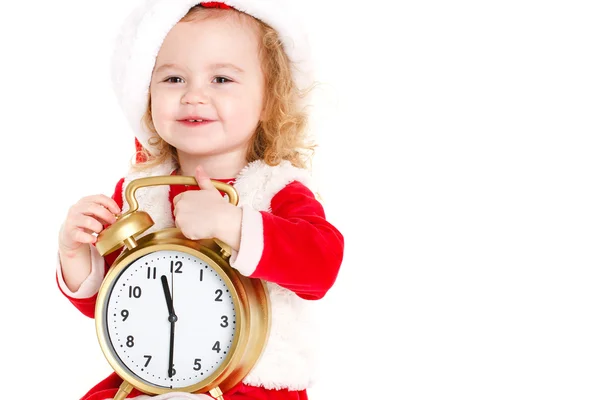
89, 223
105, 201
82, 237
99, 212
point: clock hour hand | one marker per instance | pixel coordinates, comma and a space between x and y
168, 297
172, 320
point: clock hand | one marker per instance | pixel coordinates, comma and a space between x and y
168, 297
172, 320
171, 342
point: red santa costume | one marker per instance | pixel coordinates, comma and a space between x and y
285, 237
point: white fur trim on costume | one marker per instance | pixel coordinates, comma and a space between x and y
288, 360
144, 30
251, 242
91, 284
258, 182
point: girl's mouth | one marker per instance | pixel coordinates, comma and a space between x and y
194, 123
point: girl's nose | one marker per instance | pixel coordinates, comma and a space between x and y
194, 96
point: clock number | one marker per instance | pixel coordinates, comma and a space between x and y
173, 372
147, 361
124, 314
217, 347
129, 341
201, 274
219, 293
178, 265
224, 319
151, 272
135, 291
197, 365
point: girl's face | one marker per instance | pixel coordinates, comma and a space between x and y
208, 70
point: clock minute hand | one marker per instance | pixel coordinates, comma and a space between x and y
172, 320
171, 342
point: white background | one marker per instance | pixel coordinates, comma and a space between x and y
459, 156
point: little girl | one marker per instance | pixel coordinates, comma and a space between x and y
215, 91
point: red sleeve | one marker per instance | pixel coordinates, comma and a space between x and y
302, 251
87, 306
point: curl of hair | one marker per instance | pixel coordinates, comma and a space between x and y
281, 133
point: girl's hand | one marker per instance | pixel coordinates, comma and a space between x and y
205, 214
87, 216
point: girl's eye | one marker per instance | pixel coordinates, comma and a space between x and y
221, 79
172, 78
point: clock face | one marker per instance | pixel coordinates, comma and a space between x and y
171, 344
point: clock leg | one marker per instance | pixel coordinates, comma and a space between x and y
216, 393
124, 390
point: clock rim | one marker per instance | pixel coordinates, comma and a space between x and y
202, 252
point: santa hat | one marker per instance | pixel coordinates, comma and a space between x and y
147, 26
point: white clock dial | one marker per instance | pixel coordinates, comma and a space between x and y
139, 324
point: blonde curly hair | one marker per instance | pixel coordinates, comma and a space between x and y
282, 132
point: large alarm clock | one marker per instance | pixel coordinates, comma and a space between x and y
171, 313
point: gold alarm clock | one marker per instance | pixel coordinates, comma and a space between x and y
172, 314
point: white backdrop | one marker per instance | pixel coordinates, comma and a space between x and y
459, 157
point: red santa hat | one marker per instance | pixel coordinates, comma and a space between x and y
145, 29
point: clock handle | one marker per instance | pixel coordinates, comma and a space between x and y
172, 180
177, 180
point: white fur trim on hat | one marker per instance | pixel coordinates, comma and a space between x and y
145, 29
